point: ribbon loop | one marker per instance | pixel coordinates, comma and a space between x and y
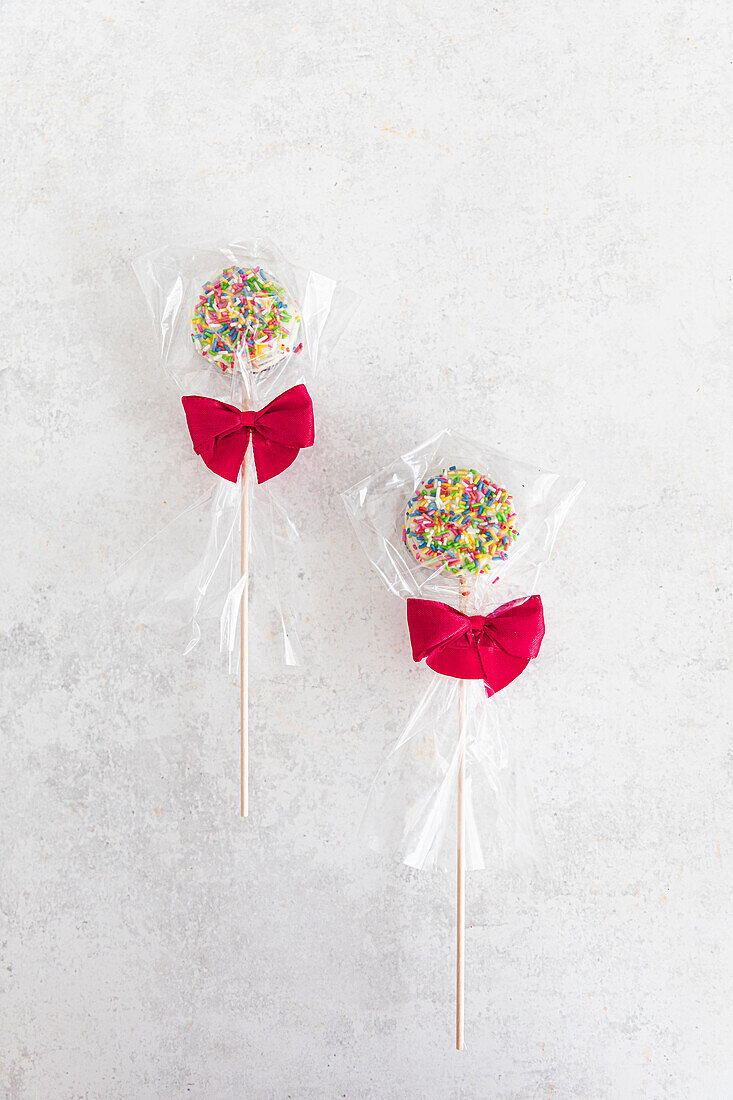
495, 648
221, 433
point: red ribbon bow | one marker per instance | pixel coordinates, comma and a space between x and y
494, 648
221, 432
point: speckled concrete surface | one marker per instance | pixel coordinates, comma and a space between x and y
532, 200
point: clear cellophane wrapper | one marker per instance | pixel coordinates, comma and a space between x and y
411, 810
189, 574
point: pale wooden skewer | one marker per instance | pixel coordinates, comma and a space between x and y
463, 599
243, 646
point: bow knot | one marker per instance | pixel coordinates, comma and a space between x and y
221, 433
494, 648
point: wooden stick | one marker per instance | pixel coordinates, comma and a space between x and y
243, 644
463, 598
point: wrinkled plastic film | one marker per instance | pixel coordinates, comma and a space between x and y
187, 578
171, 279
376, 508
411, 812
189, 574
411, 809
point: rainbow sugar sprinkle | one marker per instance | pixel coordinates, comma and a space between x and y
460, 519
245, 307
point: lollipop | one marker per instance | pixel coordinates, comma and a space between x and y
245, 308
245, 305
446, 795
460, 519
230, 321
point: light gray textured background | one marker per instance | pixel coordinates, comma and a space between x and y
532, 200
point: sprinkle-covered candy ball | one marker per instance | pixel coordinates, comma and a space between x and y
460, 519
245, 308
